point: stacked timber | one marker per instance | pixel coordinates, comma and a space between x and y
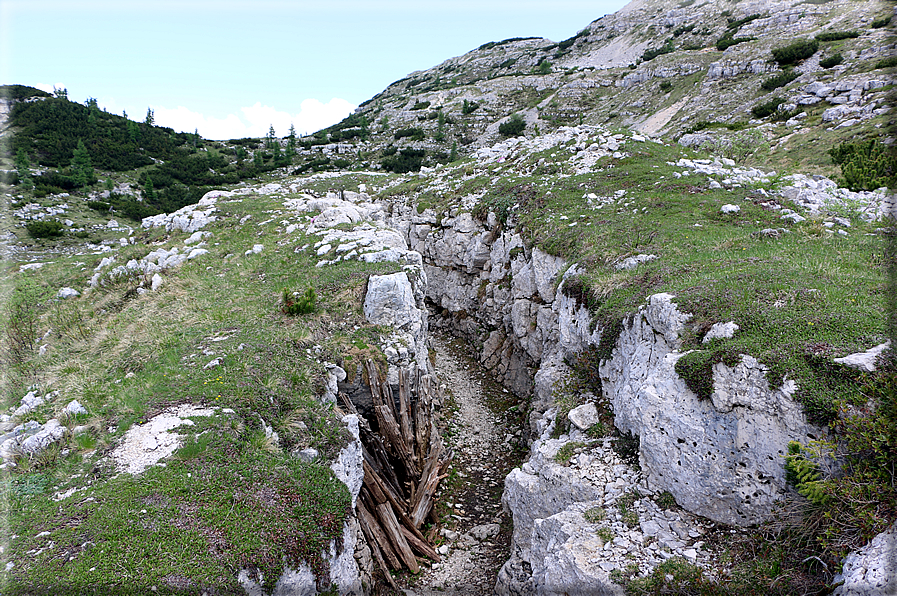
404, 461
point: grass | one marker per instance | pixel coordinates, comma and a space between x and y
231, 499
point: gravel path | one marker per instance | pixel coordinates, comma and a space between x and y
480, 428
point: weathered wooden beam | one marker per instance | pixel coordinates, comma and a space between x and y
420, 545
405, 422
393, 530
375, 535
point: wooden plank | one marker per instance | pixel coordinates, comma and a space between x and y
429, 480
390, 431
405, 422
375, 455
370, 475
375, 535
393, 530
422, 408
420, 545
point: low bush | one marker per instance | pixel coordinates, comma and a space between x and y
866, 165
768, 108
727, 41
652, 53
48, 228
469, 106
513, 127
886, 63
407, 160
736, 23
414, 133
795, 52
882, 22
666, 86
683, 29
831, 61
421, 105
779, 80
837, 35
99, 205
295, 303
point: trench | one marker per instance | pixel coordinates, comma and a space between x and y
482, 422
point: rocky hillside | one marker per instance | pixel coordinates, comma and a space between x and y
683, 299
662, 68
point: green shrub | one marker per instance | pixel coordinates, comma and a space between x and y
99, 205
666, 86
837, 35
295, 303
882, 22
544, 67
469, 106
653, 53
421, 105
48, 228
795, 52
727, 41
831, 61
683, 29
886, 63
736, 23
594, 515
779, 80
416, 134
512, 127
866, 165
696, 369
342, 163
768, 108
407, 160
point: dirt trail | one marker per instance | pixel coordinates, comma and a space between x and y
480, 428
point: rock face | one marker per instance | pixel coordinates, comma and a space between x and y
720, 458
569, 531
872, 569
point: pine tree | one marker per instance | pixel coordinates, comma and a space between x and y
453, 156
150, 117
82, 169
23, 168
269, 139
291, 143
149, 192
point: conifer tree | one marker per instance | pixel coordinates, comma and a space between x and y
150, 117
291, 143
149, 192
23, 168
82, 169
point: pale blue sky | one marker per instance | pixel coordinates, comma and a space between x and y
232, 68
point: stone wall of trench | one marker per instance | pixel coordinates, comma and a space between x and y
721, 459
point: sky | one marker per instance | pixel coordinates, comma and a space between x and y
231, 69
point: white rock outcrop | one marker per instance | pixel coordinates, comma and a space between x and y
870, 570
720, 458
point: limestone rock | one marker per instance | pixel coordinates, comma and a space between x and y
66, 293
685, 441
864, 361
871, 569
633, 262
348, 466
390, 301
584, 416
721, 331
